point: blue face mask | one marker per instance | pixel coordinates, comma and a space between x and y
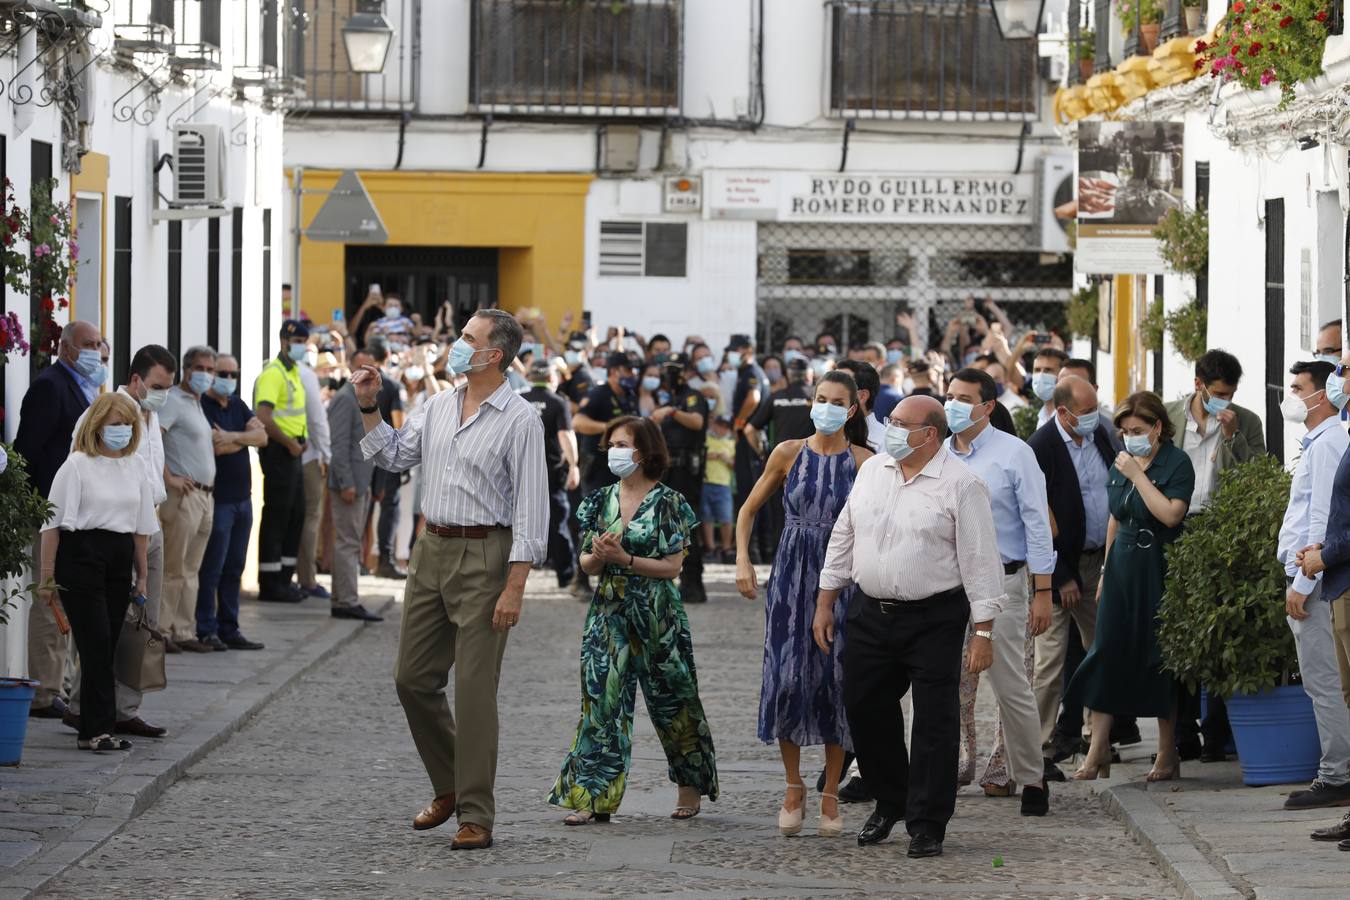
1043, 385
116, 437
793, 355
200, 382
1215, 405
827, 417
894, 356
897, 442
650, 383
1087, 423
296, 352
999, 388
706, 365
224, 386
89, 362
735, 360
460, 358
100, 375
959, 415
1335, 391
573, 358
1324, 357
527, 347
621, 461
1138, 445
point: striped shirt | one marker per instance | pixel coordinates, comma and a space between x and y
487, 471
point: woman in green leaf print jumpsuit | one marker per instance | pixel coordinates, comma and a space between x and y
634, 536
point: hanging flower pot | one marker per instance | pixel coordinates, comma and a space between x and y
1259, 44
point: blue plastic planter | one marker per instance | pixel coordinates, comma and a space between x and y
1276, 736
16, 696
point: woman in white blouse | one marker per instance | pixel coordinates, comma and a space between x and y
102, 514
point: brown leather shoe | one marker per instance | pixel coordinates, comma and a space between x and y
437, 814
141, 728
472, 837
192, 645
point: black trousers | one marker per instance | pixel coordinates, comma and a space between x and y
93, 569
390, 486
560, 547
690, 487
893, 648
283, 516
749, 466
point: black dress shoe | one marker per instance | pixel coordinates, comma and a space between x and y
214, 643
239, 642
693, 593
1213, 755
1189, 750
57, 710
1062, 747
280, 595
1125, 733
924, 845
1319, 795
1035, 799
1338, 832
356, 611
1343, 845
876, 829
855, 791
1053, 772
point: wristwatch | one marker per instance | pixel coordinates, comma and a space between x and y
987, 635
369, 410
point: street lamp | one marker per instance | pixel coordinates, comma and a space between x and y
366, 37
1018, 20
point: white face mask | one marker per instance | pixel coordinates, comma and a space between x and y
1295, 408
907, 386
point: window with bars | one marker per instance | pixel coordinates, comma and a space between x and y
580, 57
925, 59
637, 249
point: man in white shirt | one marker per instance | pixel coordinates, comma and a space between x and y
151, 377
869, 385
1045, 369
1305, 524
1008, 468
917, 538
314, 461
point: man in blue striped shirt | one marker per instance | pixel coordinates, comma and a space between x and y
485, 499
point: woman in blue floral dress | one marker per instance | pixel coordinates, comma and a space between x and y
801, 700
634, 536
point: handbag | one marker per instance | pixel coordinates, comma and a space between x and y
139, 661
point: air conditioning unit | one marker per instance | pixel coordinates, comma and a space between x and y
198, 164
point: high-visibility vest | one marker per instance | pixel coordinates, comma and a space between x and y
282, 388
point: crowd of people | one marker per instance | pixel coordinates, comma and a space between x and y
916, 539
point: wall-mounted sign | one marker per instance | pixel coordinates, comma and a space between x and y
973, 198
682, 193
1129, 176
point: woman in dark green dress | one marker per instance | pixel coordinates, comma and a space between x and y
634, 536
1149, 492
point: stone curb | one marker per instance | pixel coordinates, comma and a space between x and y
1183, 863
129, 795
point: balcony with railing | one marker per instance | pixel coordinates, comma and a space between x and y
582, 57
927, 59
317, 55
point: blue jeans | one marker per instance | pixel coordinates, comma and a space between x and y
716, 504
222, 567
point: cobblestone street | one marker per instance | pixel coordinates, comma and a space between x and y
314, 799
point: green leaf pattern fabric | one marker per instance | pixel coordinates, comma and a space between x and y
636, 633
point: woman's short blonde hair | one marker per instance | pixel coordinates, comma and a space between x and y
89, 439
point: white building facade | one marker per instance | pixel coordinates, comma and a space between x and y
782, 168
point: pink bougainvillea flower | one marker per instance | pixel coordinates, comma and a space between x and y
1267, 77
41, 250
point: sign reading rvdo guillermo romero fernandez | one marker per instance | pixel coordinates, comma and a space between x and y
978, 199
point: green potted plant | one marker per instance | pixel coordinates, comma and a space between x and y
1222, 622
1152, 325
1183, 240
51, 267
1195, 15
1084, 53
1081, 312
1259, 44
22, 512
1188, 326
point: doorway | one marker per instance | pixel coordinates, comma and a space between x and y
462, 279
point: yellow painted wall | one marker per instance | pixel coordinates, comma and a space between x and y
1123, 342
537, 222
93, 179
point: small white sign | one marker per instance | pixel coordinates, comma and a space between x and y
683, 193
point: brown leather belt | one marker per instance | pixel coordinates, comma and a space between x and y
471, 532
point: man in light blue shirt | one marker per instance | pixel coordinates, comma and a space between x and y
1022, 523
1305, 524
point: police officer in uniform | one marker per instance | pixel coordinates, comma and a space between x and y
682, 415
560, 457
786, 417
751, 393
279, 403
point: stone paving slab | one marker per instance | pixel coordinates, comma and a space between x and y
62, 803
314, 796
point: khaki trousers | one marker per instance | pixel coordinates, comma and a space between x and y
186, 519
306, 571
47, 646
1053, 643
1340, 629
452, 589
349, 521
